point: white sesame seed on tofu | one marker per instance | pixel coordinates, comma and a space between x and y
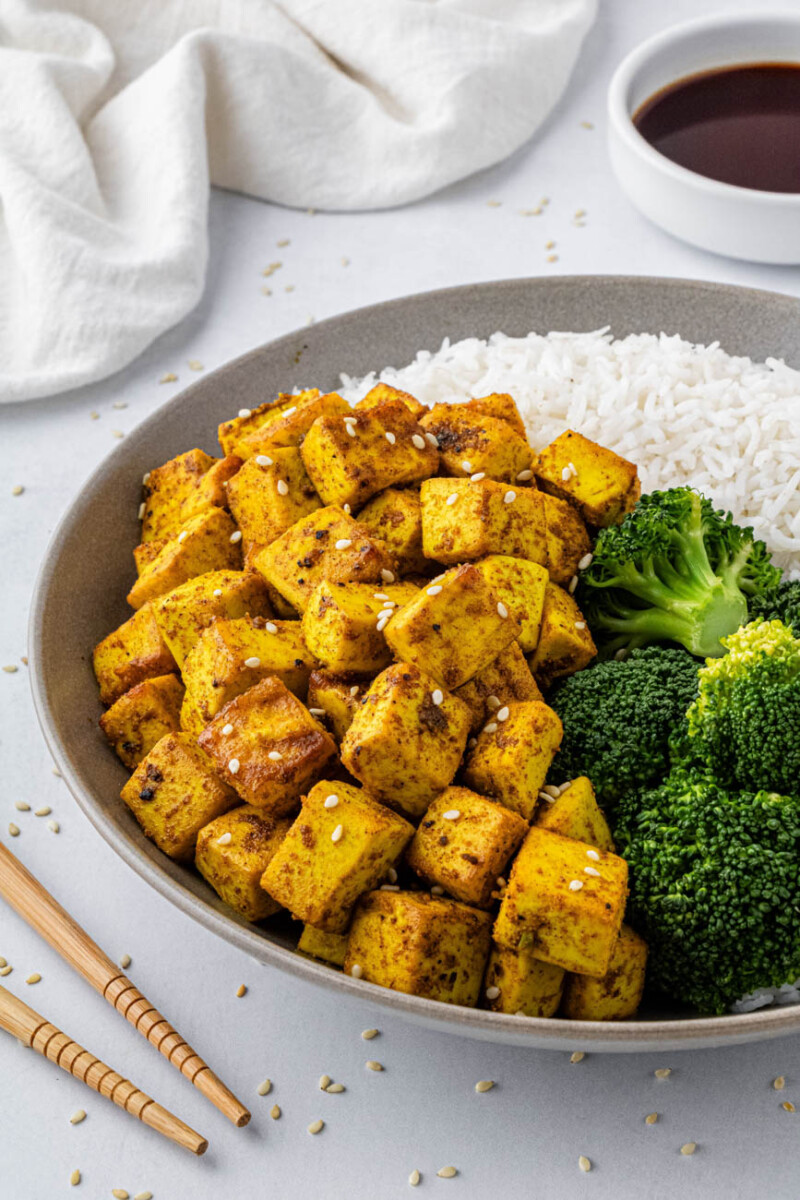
575, 885
437, 696
492, 992
225, 839
418, 440
233, 766
434, 591
331, 801
390, 437
585, 562
271, 627
264, 460
236, 536
452, 498
275, 755
477, 477
502, 611
245, 412
524, 476
509, 497
283, 487
252, 662
344, 543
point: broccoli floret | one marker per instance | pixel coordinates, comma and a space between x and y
675, 570
713, 887
781, 603
618, 718
745, 723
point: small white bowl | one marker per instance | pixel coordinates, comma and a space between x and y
735, 221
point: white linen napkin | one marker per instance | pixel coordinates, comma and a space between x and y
116, 114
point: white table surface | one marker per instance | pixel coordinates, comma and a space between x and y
522, 1139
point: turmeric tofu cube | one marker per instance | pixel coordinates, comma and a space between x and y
406, 739
232, 854
395, 516
166, 489
463, 843
185, 612
232, 656
343, 624
207, 542
567, 539
603, 485
419, 944
501, 406
465, 519
526, 986
452, 628
328, 544
132, 653
336, 696
145, 552
520, 584
269, 494
575, 813
280, 422
174, 792
565, 644
192, 720
618, 993
505, 679
564, 902
267, 746
473, 442
513, 753
142, 716
384, 393
328, 947
341, 845
349, 459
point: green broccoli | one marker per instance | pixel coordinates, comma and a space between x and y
781, 603
618, 717
675, 570
713, 887
745, 724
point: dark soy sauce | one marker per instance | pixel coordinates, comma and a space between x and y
739, 125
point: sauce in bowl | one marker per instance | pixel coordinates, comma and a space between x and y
738, 125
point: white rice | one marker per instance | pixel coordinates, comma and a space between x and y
684, 413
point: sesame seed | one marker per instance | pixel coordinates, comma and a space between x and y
245, 412
392, 875
484, 1085
271, 627
414, 1178
146, 478
125, 961
335, 1089
651, 1118
316, 1126
226, 729
572, 468
120, 1194
75, 1177
492, 992
144, 1195
492, 702
21, 806
591, 871
565, 474
354, 690
502, 611
345, 262
501, 881
787, 1106
265, 1088
509, 497
182, 536
587, 125
452, 498
779, 1084
95, 416
264, 460
573, 583
620, 655
53, 826
585, 562
142, 508
379, 596
437, 697
477, 477
390, 437
387, 576
437, 890
372, 1065
13, 830
17, 489
225, 839
369, 1034
382, 623
252, 662
3, 961
344, 544
467, 467
78, 1116
324, 1081
34, 978
418, 440
283, 487
331, 801
389, 887
241, 991
575, 885
117, 433
317, 712
346, 508
580, 624
552, 790
275, 1112
524, 476
593, 855
663, 1072
452, 814
502, 714
434, 591
688, 1148
472, 743
233, 766
584, 1163
217, 592
577, 1056
432, 440
350, 429
447, 1172
356, 971
336, 836
6, 970
275, 755
490, 728
11, 669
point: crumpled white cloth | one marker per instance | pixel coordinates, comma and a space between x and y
116, 114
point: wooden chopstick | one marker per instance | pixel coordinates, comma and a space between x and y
36, 906
32, 1029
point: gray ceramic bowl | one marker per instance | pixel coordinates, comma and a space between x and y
80, 593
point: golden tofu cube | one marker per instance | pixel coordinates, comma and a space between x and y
395, 516
481, 520
602, 484
473, 442
505, 679
232, 656
166, 490
463, 843
513, 753
618, 993
501, 406
234, 851
343, 624
267, 746
336, 697
329, 947
134, 652
350, 460
520, 584
328, 544
269, 494
204, 544
565, 644
341, 845
564, 902
142, 716
280, 422
174, 792
186, 611
527, 987
567, 539
576, 814
406, 739
453, 627
192, 720
384, 393
419, 944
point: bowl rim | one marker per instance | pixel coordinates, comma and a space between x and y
621, 119
672, 1033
